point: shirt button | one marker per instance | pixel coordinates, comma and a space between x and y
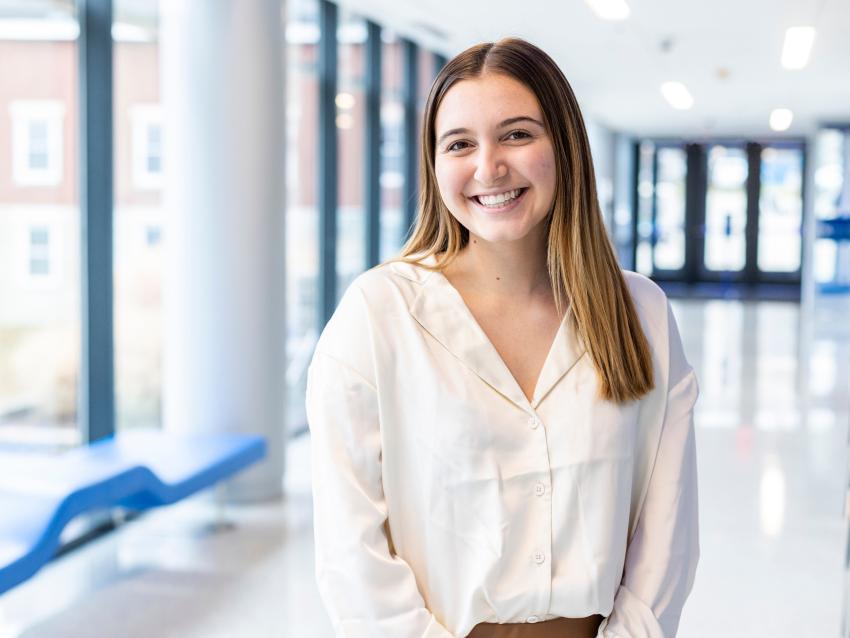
534, 422
539, 557
539, 489
532, 619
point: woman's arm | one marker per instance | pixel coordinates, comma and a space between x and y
367, 592
663, 552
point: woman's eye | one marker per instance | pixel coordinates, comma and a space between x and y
519, 135
454, 146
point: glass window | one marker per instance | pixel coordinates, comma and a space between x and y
780, 209
138, 215
829, 171
39, 226
38, 157
37, 141
350, 126
830, 156
726, 209
425, 77
645, 223
153, 235
39, 261
621, 230
146, 130
302, 217
392, 144
669, 253
153, 155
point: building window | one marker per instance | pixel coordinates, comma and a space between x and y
37, 142
39, 251
153, 235
146, 120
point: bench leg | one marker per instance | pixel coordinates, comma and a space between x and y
221, 523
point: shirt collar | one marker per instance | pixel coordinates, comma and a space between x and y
442, 312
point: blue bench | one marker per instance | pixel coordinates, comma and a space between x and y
137, 470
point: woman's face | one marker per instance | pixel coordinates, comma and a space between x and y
493, 159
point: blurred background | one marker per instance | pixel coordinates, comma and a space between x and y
187, 188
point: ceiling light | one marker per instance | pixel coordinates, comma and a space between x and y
797, 47
677, 95
609, 9
780, 119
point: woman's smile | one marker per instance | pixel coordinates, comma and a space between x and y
500, 202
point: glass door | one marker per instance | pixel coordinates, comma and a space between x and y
669, 210
662, 190
780, 215
725, 244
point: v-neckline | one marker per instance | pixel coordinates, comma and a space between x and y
441, 312
549, 350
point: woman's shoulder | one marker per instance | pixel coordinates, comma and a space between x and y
411, 270
649, 299
390, 286
652, 308
644, 291
371, 305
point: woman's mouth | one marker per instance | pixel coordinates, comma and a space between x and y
500, 202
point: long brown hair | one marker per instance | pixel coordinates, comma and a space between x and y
582, 267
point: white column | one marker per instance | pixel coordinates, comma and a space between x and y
224, 325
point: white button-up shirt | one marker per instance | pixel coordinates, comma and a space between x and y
443, 497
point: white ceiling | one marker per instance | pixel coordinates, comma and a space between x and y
616, 68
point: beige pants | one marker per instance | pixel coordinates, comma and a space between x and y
555, 628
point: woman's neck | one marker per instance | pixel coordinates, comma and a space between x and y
512, 274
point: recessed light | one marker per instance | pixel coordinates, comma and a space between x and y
797, 47
677, 95
780, 119
609, 9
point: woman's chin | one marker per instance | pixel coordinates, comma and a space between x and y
495, 236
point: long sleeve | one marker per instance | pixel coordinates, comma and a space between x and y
662, 555
367, 591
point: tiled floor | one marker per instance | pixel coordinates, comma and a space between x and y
772, 426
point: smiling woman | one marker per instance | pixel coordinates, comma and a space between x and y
502, 419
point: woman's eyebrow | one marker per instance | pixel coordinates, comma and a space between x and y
503, 123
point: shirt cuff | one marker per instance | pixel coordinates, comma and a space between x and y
630, 618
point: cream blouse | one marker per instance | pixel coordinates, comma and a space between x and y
444, 498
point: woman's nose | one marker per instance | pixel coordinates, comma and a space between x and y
490, 166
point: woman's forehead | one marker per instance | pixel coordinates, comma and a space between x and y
485, 100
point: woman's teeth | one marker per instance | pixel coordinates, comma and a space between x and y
497, 201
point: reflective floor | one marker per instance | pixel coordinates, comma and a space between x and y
772, 436
772, 426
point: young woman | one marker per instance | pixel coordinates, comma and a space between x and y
501, 418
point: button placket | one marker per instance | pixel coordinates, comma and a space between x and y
542, 548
